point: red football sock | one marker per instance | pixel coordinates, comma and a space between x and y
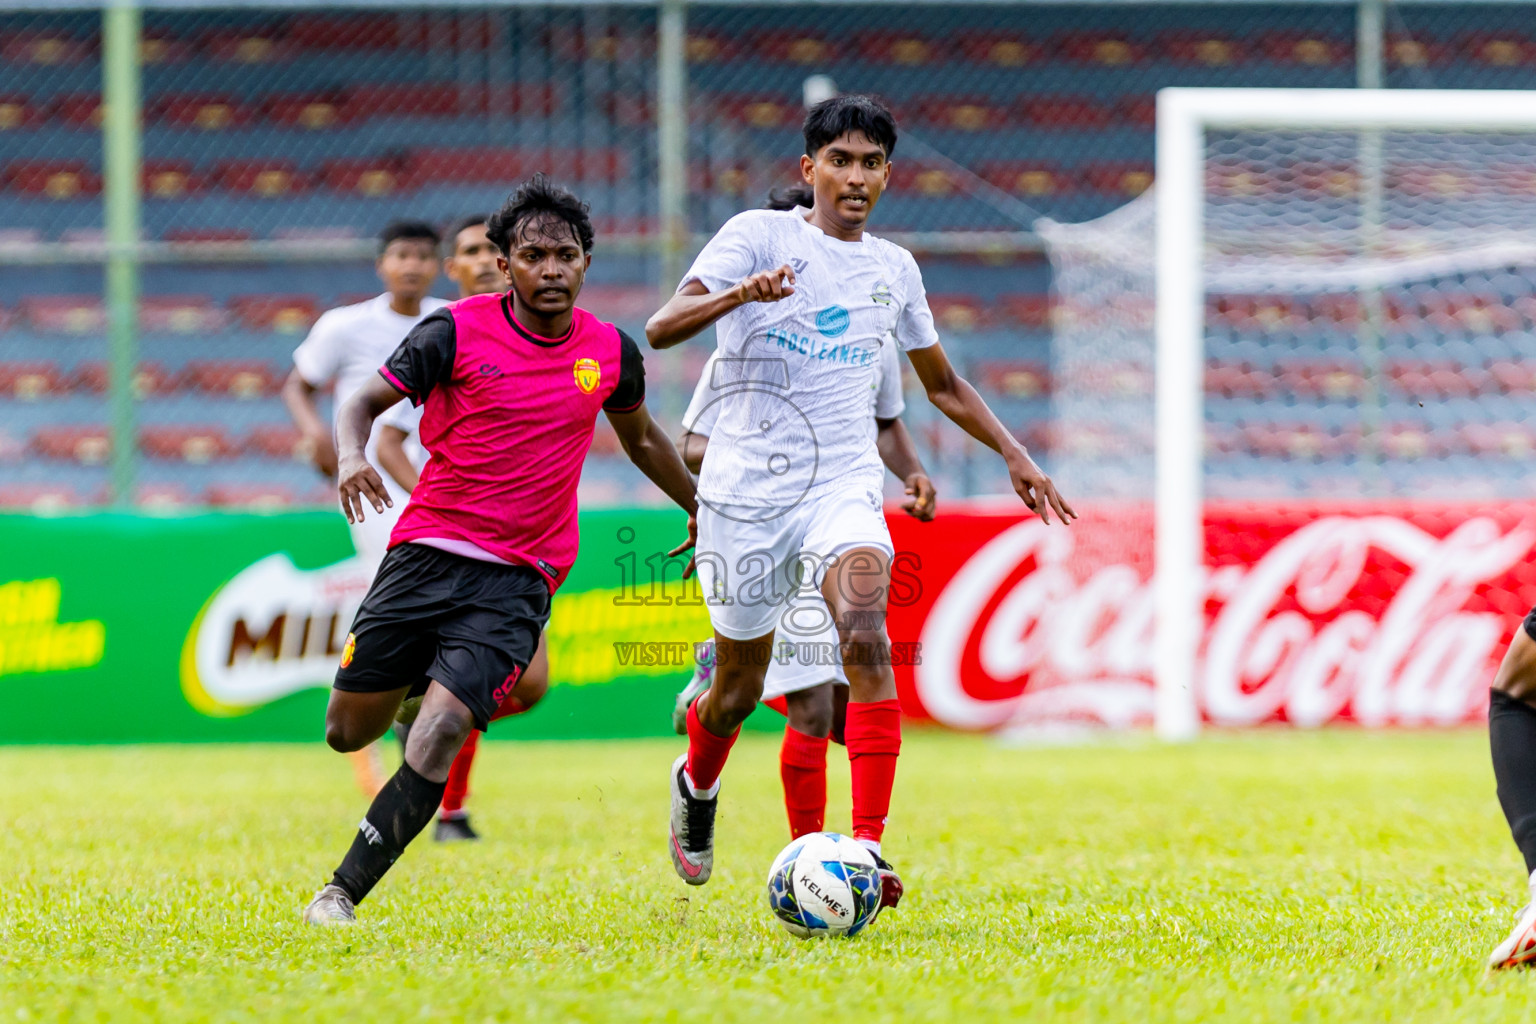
803, 767
457, 788
706, 751
779, 704
873, 732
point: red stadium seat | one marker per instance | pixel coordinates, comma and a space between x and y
1025, 310
1435, 181
793, 47
1004, 49
257, 496
1414, 441
160, 46
237, 378
759, 111
1498, 49
1073, 112
63, 314
275, 441
1202, 49
1140, 111
149, 379
313, 110
1311, 50
380, 176
1329, 379
265, 178
1027, 178
18, 111
88, 445
1015, 378
712, 47
247, 46
1512, 440
207, 111
187, 443
914, 177
283, 314
468, 165
53, 179
181, 314
81, 109
424, 99
1109, 49
958, 312
1411, 52
573, 44
45, 47
1239, 380
1512, 377
901, 49
961, 113
1120, 179
29, 379
361, 30
1301, 441
169, 179
163, 496
40, 497
1426, 379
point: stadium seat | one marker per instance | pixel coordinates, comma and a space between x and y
468, 165
1240, 380
1074, 113
706, 47
283, 314
181, 314
353, 31
1421, 379
901, 48
1118, 179
572, 43
31, 379
758, 111
1309, 49
1512, 440
379, 176
161, 46
1411, 52
1333, 380
17, 110
1004, 49
1108, 49
236, 378
1014, 378
1027, 178
86, 444
1512, 376
169, 179
252, 495
1139, 111
961, 113
274, 441
268, 179
40, 498
925, 179
63, 314
197, 443
163, 496
1026, 310
1498, 49
1204, 49
958, 312
205, 111
797, 47
48, 48
149, 379
51, 179
78, 109
315, 111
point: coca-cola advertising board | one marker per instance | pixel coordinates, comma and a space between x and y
1376, 613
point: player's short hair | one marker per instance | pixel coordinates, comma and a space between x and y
451, 237
791, 196
851, 112
412, 229
537, 198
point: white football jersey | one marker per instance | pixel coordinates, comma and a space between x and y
348, 344
795, 376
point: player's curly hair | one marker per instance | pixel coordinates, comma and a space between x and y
536, 199
851, 112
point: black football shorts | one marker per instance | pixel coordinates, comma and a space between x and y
471, 625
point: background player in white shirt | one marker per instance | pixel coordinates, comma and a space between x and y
806, 682
791, 478
343, 351
471, 263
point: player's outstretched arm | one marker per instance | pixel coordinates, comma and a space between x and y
693, 308
358, 481
900, 457
299, 397
649, 448
955, 398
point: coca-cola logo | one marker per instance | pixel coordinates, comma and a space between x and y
1361, 616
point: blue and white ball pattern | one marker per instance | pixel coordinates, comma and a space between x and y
824, 884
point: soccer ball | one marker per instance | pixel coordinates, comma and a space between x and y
824, 884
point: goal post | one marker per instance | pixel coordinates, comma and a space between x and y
1186, 119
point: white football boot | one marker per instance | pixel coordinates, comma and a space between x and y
1519, 948
331, 905
692, 839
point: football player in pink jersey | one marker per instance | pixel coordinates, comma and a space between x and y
510, 386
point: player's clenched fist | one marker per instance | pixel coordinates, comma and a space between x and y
768, 285
1037, 490
361, 481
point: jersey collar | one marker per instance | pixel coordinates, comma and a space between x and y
506, 310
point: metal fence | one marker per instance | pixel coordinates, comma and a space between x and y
182, 191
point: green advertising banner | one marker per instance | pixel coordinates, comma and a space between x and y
121, 628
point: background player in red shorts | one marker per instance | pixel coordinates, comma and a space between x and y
511, 387
474, 264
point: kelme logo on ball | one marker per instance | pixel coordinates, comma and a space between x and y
832, 321
588, 375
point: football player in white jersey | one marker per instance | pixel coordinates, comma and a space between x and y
805, 681
343, 351
790, 483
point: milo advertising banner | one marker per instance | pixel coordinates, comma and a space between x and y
120, 628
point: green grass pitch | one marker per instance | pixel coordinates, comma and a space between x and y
1262, 877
